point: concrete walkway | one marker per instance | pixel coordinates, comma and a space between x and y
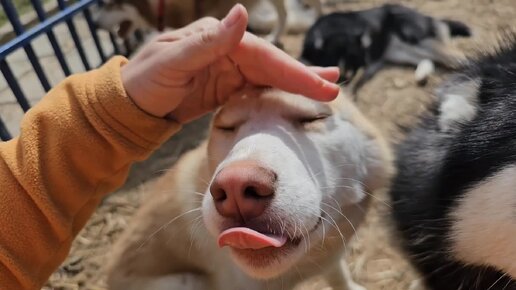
10, 112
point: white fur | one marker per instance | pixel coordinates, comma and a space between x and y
325, 167
319, 40
109, 19
484, 223
274, 16
366, 40
424, 69
442, 31
458, 104
423, 55
263, 16
400, 52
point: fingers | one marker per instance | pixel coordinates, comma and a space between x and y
207, 40
330, 74
202, 49
264, 64
198, 26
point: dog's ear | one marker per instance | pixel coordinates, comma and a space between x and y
366, 39
318, 40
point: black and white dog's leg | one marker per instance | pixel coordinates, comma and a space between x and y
419, 56
339, 277
441, 53
281, 26
442, 31
347, 73
424, 70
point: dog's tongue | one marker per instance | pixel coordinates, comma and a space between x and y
245, 238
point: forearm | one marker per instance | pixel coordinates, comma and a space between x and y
76, 145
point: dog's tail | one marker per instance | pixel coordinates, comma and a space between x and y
457, 28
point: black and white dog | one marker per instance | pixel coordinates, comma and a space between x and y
454, 198
388, 34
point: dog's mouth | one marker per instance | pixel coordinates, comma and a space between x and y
123, 28
259, 248
248, 239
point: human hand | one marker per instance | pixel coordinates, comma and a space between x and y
188, 72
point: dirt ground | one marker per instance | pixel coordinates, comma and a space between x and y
392, 100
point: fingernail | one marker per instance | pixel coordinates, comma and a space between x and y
232, 17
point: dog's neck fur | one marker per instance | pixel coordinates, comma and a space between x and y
169, 238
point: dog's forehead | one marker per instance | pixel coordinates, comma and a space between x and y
271, 102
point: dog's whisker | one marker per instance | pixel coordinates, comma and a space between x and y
350, 179
298, 272
295, 230
336, 226
307, 238
311, 260
507, 284
336, 202
344, 216
177, 191
192, 174
196, 225
323, 232
166, 225
364, 191
199, 193
341, 236
346, 164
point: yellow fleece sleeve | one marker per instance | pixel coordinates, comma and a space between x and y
75, 146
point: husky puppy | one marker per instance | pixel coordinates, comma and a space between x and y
388, 34
454, 196
129, 15
281, 185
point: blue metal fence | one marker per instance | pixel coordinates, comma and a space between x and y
67, 10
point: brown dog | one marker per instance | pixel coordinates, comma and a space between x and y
281, 184
129, 15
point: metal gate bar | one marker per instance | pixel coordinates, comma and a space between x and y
45, 26
94, 34
52, 38
4, 134
75, 36
12, 15
13, 84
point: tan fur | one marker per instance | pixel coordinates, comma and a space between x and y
179, 13
167, 245
360, 121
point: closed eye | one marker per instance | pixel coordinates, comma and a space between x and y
313, 119
226, 128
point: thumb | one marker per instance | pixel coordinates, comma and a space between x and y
202, 49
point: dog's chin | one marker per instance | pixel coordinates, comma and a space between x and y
270, 262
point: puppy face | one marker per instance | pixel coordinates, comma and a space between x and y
122, 16
345, 45
285, 170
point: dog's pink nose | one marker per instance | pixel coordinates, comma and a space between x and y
243, 190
